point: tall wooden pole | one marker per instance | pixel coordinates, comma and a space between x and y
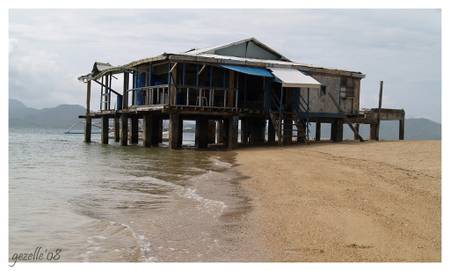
88, 124
380, 99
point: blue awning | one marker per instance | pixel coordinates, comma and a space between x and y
249, 70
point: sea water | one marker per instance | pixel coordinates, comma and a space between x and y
111, 203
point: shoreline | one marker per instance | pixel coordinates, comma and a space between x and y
372, 201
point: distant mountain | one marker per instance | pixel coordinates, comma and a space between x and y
61, 116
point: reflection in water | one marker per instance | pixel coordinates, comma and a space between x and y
113, 203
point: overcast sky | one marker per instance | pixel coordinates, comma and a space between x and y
49, 49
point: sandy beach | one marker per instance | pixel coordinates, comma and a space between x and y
371, 201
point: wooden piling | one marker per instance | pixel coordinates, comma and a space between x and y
201, 132
124, 130
377, 127
401, 129
270, 132
231, 125
287, 130
116, 129
88, 121
220, 131
318, 131
374, 131
175, 131
339, 130
244, 131
258, 130
134, 137
355, 136
301, 132
211, 131
157, 129
147, 125
105, 130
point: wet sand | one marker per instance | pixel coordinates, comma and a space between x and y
371, 201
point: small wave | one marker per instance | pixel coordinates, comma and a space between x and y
213, 207
220, 164
142, 241
100, 244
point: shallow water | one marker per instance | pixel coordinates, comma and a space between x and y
113, 203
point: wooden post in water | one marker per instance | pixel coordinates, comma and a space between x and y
201, 132
124, 130
116, 129
211, 131
220, 131
232, 131
88, 120
105, 130
175, 131
157, 129
134, 139
147, 123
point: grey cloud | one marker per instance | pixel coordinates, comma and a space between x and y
50, 48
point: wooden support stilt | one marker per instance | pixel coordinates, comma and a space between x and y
156, 129
116, 129
287, 130
318, 130
88, 121
147, 125
211, 132
124, 130
401, 129
220, 132
339, 131
175, 131
201, 132
259, 130
160, 129
244, 131
87, 130
232, 131
374, 131
134, 137
356, 135
377, 127
301, 132
105, 130
270, 132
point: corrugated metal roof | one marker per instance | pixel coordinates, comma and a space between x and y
249, 70
292, 78
211, 50
203, 55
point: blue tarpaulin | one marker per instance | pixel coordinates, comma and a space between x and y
249, 70
139, 93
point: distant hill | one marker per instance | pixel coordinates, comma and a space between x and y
61, 116
415, 129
